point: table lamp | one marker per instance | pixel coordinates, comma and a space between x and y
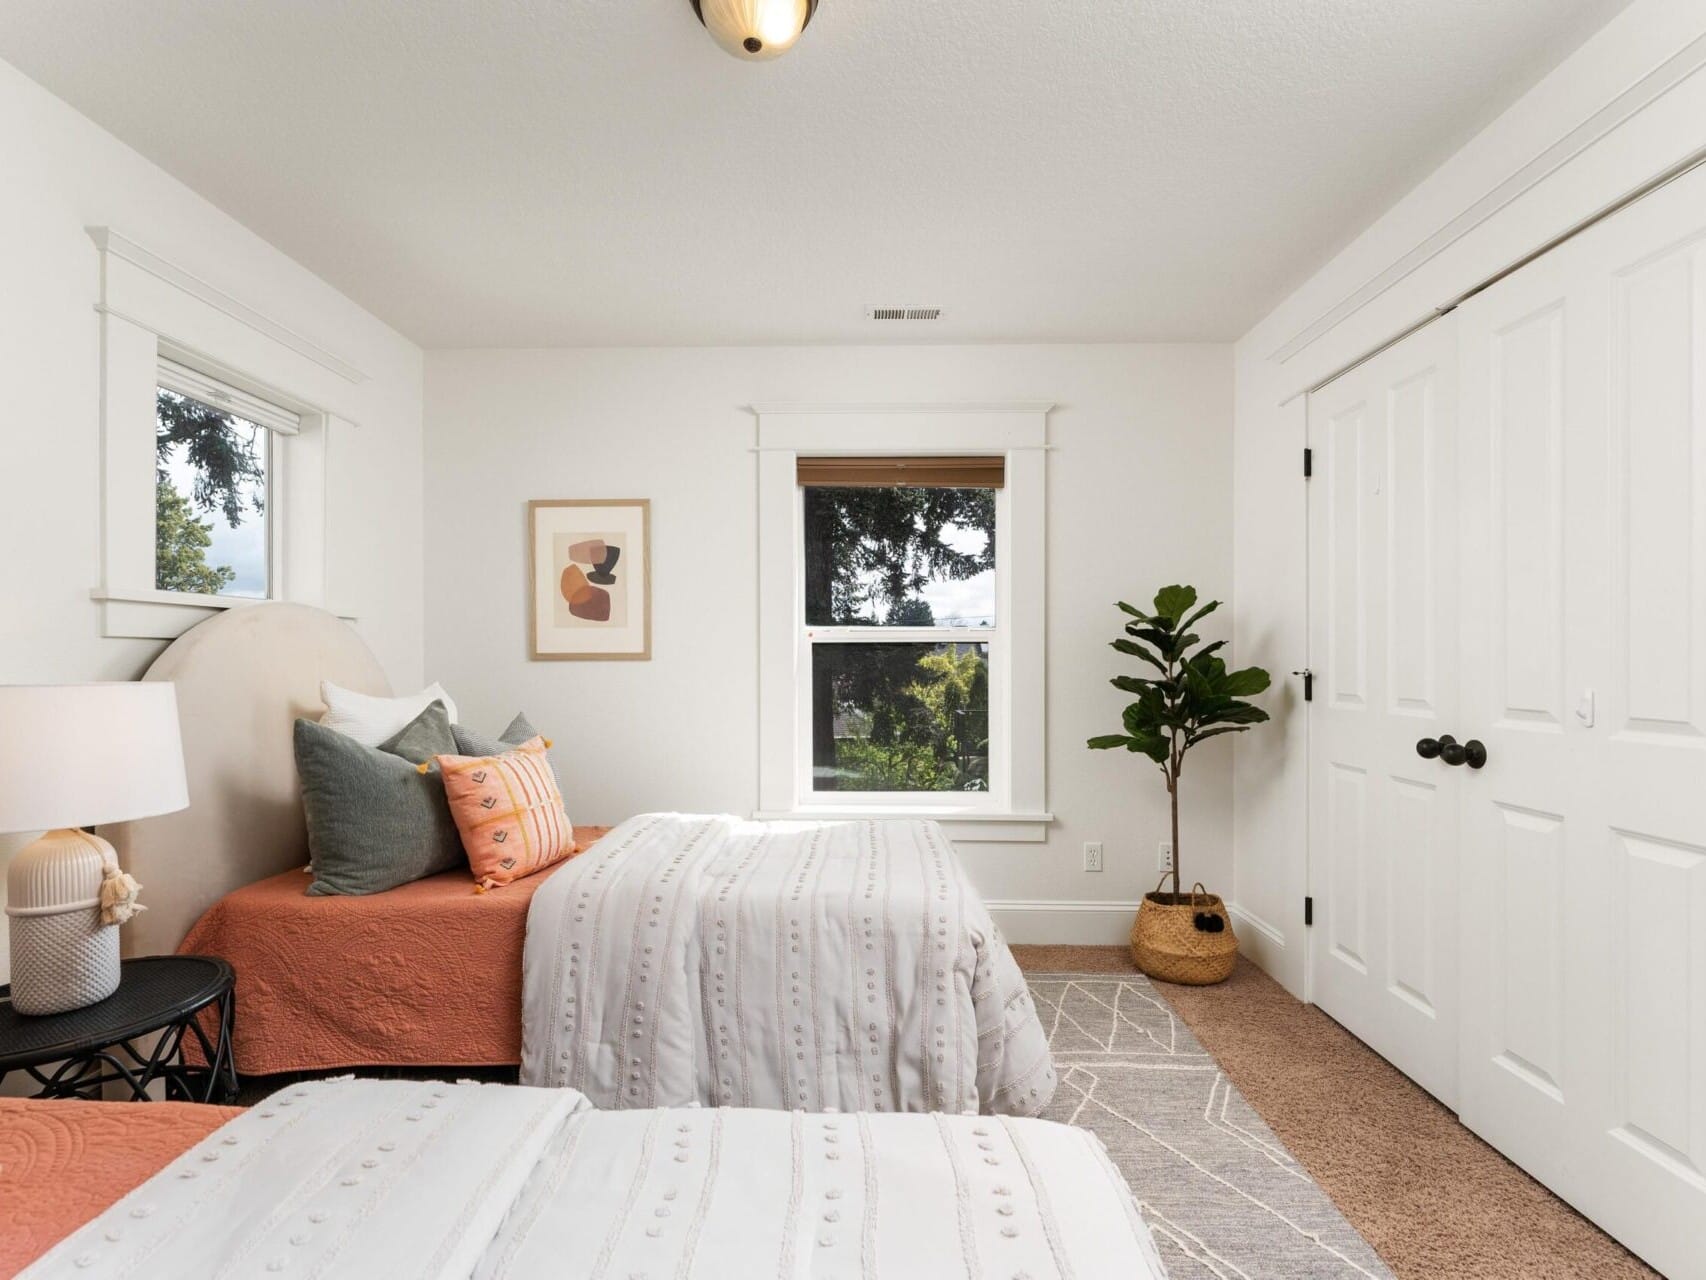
73, 756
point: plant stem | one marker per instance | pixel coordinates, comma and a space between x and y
1173, 799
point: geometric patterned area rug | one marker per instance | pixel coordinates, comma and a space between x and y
1220, 1191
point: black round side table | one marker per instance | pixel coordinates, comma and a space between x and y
163, 998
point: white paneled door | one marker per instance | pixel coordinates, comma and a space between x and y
1508, 548
1584, 606
1384, 597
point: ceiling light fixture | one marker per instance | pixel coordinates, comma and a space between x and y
755, 30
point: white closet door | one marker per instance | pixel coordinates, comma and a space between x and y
1584, 627
1383, 643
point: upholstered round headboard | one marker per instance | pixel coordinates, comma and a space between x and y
243, 678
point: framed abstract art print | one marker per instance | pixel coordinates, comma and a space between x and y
592, 589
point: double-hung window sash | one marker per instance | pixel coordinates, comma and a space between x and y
900, 643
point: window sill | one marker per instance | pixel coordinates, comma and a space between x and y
162, 615
969, 826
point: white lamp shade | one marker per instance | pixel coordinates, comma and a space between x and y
755, 30
83, 754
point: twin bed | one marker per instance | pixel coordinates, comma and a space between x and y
686, 986
389, 1178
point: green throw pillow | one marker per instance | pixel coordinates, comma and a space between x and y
427, 735
374, 820
469, 743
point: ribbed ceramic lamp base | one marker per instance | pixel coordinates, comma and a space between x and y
63, 957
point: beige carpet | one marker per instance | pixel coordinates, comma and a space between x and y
1431, 1198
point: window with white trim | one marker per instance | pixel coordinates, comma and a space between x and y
225, 443
901, 615
216, 490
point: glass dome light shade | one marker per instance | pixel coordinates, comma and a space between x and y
755, 30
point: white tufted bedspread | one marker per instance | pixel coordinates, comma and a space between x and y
821, 966
360, 1179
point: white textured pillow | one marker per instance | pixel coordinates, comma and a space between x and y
371, 721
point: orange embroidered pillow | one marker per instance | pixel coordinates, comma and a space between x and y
509, 812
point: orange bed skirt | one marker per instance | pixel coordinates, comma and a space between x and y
62, 1163
425, 975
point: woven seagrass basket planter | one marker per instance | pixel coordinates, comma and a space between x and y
1167, 944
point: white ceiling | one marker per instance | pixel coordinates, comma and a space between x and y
548, 172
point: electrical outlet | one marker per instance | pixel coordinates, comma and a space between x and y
1092, 855
1164, 856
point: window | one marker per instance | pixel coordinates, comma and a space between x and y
225, 436
900, 621
213, 494
902, 618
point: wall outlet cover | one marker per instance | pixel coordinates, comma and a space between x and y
1092, 855
1164, 856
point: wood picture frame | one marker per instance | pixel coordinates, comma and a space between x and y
589, 579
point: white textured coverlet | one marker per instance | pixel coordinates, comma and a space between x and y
344, 1178
360, 1179
820, 966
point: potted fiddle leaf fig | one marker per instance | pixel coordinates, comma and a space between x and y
1186, 696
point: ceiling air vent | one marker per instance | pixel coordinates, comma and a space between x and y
904, 313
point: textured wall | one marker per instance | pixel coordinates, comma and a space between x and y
1139, 490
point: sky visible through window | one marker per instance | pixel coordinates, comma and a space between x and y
965, 602
242, 547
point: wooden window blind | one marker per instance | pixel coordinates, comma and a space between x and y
987, 472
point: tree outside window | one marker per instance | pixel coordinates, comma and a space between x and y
909, 714
210, 494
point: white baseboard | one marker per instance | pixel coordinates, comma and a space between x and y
1057, 920
1064, 921
1260, 942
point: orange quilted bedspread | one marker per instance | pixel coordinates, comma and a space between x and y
61, 1163
426, 975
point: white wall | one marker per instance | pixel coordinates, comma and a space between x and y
62, 174
1139, 492
1629, 103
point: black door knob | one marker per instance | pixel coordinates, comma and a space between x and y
1432, 748
1472, 753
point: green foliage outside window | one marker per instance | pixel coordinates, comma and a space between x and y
224, 460
180, 546
902, 716
912, 718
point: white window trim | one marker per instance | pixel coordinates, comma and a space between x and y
151, 311
1014, 808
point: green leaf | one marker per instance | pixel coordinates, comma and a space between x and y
1212, 733
1181, 645
1108, 740
1156, 748
1241, 684
1208, 650
1135, 612
1237, 713
1131, 684
1175, 601
1203, 612
1135, 650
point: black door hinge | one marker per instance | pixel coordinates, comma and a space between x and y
1308, 463
1308, 912
1308, 683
